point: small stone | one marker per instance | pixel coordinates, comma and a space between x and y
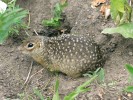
10, 50
130, 53
89, 16
129, 95
16, 57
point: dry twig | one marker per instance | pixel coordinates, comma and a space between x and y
26, 81
35, 32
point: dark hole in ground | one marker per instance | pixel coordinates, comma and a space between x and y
65, 28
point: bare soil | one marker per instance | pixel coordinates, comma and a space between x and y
14, 66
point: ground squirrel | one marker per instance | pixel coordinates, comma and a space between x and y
69, 54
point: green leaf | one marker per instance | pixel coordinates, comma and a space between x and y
21, 95
56, 95
80, 89
120, 11
101, 75
55, 22
57, 10
130, 70
116, 6
129, 89
125, 30
38, 93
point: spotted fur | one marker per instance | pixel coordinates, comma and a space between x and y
70, 54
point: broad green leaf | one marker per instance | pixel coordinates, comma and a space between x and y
125, 30
126, 16
129, 89
117, 6
120, 11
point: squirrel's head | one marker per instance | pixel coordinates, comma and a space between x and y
33, 46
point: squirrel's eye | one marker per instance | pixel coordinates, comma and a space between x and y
30, 45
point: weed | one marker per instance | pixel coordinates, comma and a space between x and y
71, 96
38, 93
56, 94
55, 22
80, 89
99, 72
7, 1
11, 20
121, 14
130, 70
21, 96
129, 89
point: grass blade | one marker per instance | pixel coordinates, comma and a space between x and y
130, 70
56, 95
129, 89
80, 89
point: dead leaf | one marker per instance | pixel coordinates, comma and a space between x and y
105, 10
101, 93
119, 98
96, 3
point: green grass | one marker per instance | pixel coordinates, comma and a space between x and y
100, 72
70, 96
80, 89
98, 75
11, 21
38, 93
56, 95
55, 21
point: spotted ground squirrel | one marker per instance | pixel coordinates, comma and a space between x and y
69, 54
